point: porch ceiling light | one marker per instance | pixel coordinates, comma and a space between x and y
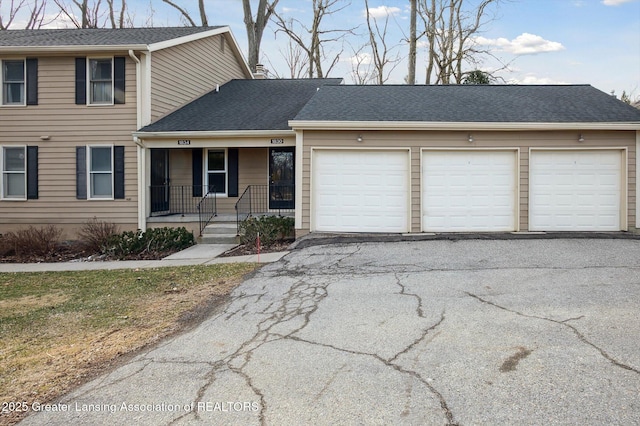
359, 138
580, 138
470, 138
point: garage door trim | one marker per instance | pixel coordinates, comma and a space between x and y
624, 179
312, 210
514, 150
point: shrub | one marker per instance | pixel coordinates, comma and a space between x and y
32, 241
95, 235
152, 242
271, 229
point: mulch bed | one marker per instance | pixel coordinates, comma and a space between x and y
74, 251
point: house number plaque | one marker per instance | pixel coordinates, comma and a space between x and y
277, 141
184, 142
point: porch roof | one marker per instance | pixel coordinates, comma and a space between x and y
243, 105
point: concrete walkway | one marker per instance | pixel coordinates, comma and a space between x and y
200, 254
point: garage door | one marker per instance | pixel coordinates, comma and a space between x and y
360, 191
575, 190
469, 191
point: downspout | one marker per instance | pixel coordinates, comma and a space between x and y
142, 196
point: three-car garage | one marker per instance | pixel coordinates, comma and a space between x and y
468, 190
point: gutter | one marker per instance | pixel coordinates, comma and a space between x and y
214, 134
461, 126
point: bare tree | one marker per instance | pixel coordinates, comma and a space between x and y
255, 27
296, 60
413, 41
36, 15
95, 13
362, 70
187, 17
120, 21
449, 28
316, 44
381, 52
82, 13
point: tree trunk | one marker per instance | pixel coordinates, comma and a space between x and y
411, 77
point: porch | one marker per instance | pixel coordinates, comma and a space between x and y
178, 205
200, 185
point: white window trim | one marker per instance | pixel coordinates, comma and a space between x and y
2, 173
226, 172
89, 173
101, 104
24, 80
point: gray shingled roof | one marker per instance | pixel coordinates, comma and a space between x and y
243, 105
95, 37
468, 103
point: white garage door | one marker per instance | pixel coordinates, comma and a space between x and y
360, 191
468, 191
575, 190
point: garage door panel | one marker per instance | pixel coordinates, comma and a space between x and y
360, 191
468, 191
575, 190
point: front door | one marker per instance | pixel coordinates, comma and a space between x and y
281, 178
160, 181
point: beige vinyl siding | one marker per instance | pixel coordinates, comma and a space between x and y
182, 73
69, 125
253, 165
441, 139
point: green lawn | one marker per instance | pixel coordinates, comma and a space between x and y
59, 328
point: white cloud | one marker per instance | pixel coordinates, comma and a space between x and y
361, 58
532, 79
383, 11
524, 44
615, 2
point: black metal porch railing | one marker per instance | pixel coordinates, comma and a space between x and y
207, 208
176, 199
260, 200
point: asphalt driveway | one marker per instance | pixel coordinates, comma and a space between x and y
430, 332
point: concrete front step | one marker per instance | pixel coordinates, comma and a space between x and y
219, 233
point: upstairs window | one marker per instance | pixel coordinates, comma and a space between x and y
101, 81
13, 82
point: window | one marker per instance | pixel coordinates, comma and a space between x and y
13, 82
100, 172
217, 171
101, 81
14, 173
100, 165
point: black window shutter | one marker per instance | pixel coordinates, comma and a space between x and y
32, 172
118, 175
81, 81
232, 163
118, 79
196, 170
32, 81
81, 173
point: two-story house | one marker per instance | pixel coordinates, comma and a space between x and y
69, 103
164, 126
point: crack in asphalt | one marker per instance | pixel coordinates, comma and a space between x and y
580, 336
403, 291
443, 403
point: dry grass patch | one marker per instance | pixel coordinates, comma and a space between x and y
59, 329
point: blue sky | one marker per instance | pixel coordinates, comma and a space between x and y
544, 41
